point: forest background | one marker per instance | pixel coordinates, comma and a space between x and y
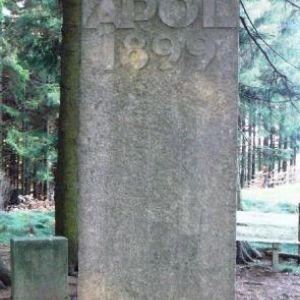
269, 89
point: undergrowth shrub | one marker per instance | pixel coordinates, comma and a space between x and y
25, 223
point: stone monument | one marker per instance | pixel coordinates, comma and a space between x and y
39, 268
157, 149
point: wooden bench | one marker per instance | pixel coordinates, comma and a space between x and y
268, 228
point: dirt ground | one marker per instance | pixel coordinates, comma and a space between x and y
261, 282
253, 282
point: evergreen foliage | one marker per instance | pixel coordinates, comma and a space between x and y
269, 87
25, 223
30, 66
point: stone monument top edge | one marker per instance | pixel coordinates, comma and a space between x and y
124, 14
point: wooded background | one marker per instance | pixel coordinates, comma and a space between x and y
269, 110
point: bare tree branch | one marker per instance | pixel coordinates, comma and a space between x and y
264, 41
262, 50
281, 75
293, 4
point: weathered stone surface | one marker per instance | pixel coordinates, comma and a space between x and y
39, 268
157, 146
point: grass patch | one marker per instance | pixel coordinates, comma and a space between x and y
289, 268
267, 206
281, 199
25, 223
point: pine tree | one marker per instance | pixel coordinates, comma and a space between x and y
269, 89
269, 93
30, 92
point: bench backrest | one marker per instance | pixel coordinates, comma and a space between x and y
267, 227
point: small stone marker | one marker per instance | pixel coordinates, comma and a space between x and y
39, 268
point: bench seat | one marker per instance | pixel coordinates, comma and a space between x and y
268, 228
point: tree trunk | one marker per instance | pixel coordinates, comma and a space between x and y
285, 146
279, 147
242, 154
249, 156
293, 146
1, 121
244, 252
5, 279
259, 154
66, 195
254, 149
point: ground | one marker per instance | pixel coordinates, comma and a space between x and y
253, 282
257, 282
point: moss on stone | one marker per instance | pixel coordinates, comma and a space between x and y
66, 198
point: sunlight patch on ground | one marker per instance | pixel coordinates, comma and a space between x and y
289, 193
